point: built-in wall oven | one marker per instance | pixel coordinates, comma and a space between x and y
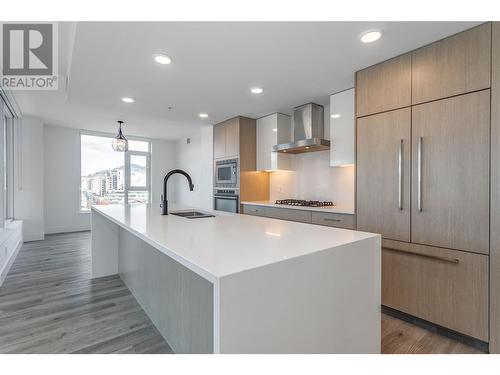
226, 173
226, 185
226, 200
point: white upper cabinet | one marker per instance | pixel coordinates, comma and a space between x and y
272, 130
342, 120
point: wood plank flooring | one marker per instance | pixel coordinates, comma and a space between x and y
400, 337
49, 304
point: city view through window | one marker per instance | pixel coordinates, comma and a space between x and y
106, 178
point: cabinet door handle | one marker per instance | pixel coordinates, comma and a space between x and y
329, 219
419, 174
400, 175
435, 257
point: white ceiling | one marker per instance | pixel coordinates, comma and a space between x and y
214, 65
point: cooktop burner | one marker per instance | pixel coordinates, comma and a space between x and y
304, 203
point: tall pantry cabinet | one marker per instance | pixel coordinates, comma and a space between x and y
495, 193
423, 179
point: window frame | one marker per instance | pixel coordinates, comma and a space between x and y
7, 128
9, 164
126, 164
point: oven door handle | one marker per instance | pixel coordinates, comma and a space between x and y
226, 197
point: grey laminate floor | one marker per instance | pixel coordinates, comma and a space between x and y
400, 337
49, 304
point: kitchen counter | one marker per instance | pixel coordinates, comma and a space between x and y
339, 209
243, 284
197, 243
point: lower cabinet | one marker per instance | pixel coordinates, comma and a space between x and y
11, 237
334, 220
446, 287
303, 216
289, 214
253, 210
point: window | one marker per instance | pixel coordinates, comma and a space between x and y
110, 177
7, 163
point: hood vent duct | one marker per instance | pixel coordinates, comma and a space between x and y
308, 131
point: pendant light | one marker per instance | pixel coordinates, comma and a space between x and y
120, 143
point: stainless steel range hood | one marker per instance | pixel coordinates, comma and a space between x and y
308, 128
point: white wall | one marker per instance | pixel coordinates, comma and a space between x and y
62, 181
312, 178
196, 158
29, 178
163, 159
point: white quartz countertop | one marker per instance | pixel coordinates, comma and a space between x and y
338, 209
228, 243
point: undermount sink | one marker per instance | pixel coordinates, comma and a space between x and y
191, 214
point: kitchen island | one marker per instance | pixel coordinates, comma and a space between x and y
242, 284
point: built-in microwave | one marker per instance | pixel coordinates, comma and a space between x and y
226, 173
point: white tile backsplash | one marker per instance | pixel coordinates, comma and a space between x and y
312, 178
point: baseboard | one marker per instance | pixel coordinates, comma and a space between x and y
10, 261
464, 339
67, 229
33, 237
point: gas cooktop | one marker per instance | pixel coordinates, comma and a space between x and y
304, 203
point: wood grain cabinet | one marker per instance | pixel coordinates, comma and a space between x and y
495, 194
452, 66
303, 216
289, 214
232, 128
249, 209
227, 139
383, 174
219, 141
384, 86
446, 287
450, 193
435, 218
333, 220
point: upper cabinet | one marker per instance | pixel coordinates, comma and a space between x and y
452, 66
226, 139
272, 130
342, 120
236, 138
384, 86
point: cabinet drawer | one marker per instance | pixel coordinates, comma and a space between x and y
446, 287
452, 66
333, 220
254, 210
289, 214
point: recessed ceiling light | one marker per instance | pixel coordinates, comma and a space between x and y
127, 100
203, 115
256, 90
162, 59
371, 36
275, 130
335, 115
